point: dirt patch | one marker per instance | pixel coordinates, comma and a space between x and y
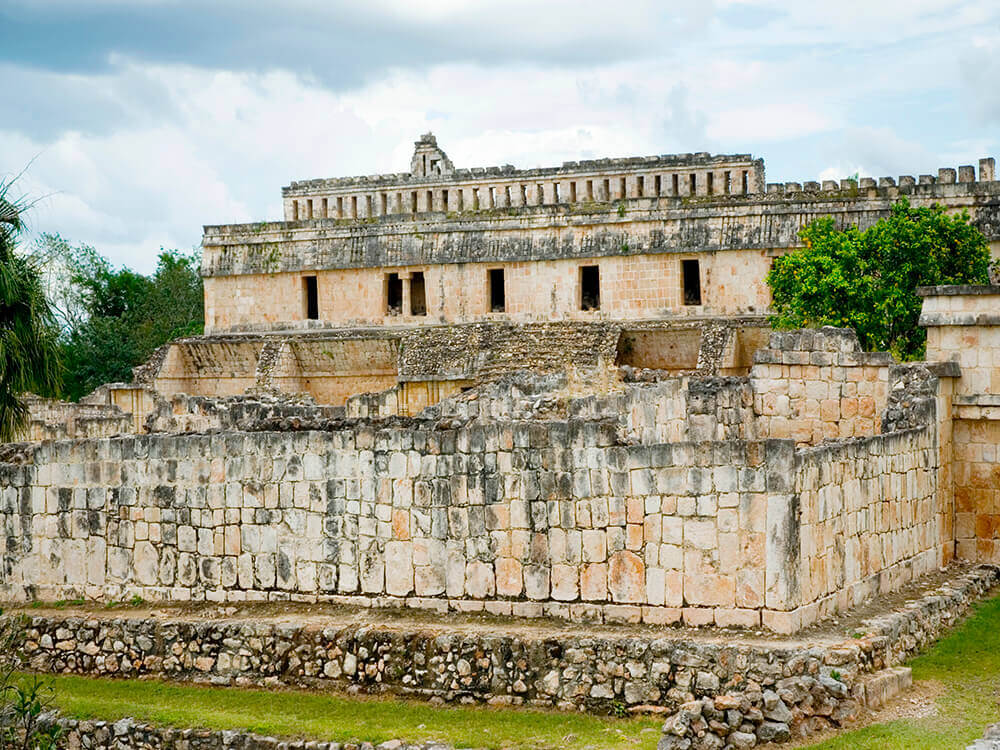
322, 615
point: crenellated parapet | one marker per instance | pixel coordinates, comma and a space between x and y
433, 184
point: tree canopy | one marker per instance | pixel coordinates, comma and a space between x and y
28, 350
114, 318
868, 280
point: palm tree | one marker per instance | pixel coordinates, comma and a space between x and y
28, 348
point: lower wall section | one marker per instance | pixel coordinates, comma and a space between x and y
803, 687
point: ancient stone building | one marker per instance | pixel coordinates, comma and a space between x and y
432, 280
533, 393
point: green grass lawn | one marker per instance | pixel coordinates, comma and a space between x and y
967, 664
332, 717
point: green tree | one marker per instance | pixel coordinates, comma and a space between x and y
28, 334
868, 280
114, 318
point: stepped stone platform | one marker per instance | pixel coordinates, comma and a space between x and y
731, 683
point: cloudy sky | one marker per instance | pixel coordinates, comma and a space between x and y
141, 120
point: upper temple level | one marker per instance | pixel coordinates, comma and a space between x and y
433, 184
646, 238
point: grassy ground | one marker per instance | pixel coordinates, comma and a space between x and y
331, 717
966, 664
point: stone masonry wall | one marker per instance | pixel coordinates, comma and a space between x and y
127, 733
869, 519
519, 517
963, 330
976, 472
50, 419
816, 385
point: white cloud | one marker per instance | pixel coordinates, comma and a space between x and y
144, 154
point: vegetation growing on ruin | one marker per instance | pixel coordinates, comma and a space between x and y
28, 350
112, 319
868, 280
966, 664
337, 718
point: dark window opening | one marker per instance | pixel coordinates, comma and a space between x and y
691, 280
711, 183
311, 297
729, 183
444, 200
540, 194
493, 197
295, 210
590, 190
475, 199
657, 185
393, 294
694, 184
384, 199
413, 202
354, 206
607, 190
309, 207
524, 195
556, 186
340, 208
640, 185
572, 192
746, 182
677, 184
326, 208
498, 298
506, 195
430, 201
461, 200
590, 288
368, 206
418, 294
622, 193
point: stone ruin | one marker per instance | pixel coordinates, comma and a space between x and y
649, 472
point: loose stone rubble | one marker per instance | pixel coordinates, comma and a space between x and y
127, 733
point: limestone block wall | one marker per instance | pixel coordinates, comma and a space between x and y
184, 413
869, 518
976, 472
489, 350
963, 325
524, 518
963, 328
51, 419
632, 286
331, 370
816, 385
209, 367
